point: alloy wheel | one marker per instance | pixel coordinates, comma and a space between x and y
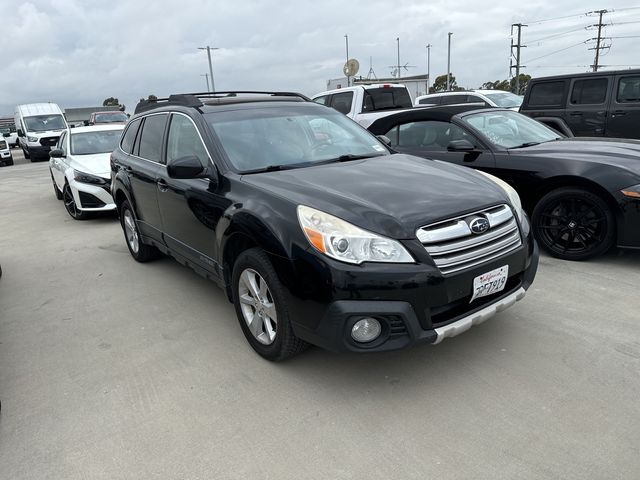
131, 231
69, 202
258, 307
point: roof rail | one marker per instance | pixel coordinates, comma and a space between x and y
194, 99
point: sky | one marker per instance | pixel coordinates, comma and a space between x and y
77, 53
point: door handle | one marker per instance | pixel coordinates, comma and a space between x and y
618, 113
576, 114
163, 186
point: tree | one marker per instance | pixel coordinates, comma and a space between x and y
150, 98
524, 80
497, 85
440, 84
111, 102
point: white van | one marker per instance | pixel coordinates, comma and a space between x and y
39, 127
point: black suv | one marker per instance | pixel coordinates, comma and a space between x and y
317, 232
598, 104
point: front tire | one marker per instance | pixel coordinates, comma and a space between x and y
141, 252
261, 307
574, 224
25, 151
70, 204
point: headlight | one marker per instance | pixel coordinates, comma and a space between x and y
514, 198
345, 242
88, 178
33, 139
632, 192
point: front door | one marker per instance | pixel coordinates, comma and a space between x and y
190, 209
624, 113
586, 111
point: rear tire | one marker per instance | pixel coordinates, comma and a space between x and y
141, 252
574, 224
259, 300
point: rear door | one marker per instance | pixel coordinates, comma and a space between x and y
430, 139
586, 106
190, 210
144, 167
624, 112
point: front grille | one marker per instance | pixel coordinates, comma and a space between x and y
397, 328
48, 141
454, 247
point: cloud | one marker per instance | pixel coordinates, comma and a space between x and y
77, 53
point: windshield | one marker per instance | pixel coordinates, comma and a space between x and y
510, 129
287, 136
88, 143
504, 99
40, 123
110, 117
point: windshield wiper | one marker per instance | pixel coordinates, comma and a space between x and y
348, 157
270, 168
526, 144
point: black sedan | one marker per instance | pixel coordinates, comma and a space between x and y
583, 194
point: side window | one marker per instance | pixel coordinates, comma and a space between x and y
342, 102
628, 90
184, 141
129, 137
592, 91
151, 137
321, 100
548, 94
453, 99
429, 134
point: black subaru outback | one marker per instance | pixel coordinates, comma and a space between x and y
316, 230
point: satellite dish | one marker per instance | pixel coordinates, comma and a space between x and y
351, 67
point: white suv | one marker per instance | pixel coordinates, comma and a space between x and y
81, 170
490, 98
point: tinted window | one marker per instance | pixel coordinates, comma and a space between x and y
547, 93
321, 100
431, 135
430, 101
342, 102
592, 91
453, 99
386, 98
151, 137
628, 90
130, 136
184, 141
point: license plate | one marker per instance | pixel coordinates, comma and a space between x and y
490, 282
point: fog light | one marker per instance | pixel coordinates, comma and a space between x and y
366, 330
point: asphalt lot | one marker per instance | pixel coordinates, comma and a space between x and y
112, 369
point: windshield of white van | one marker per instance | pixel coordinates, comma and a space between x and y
40, 123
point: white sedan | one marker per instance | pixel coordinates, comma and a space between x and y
80, 169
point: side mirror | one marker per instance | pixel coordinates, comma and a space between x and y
20, 132
185, 167
57, 153
460, 146
85, 123
384, 139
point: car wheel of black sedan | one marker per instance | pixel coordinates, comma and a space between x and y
261, 308
141, 252
56, 191
70, 204
574, 224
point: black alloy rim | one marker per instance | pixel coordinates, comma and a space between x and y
69, 202
572, 225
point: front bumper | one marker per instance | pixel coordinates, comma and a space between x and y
92, 198
38, 151
414, 303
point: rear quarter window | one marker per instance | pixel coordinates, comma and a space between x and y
547, 94
129, 137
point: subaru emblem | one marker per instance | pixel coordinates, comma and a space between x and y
479, 225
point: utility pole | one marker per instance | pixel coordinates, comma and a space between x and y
208, 49
206, 75
428, 66
346, 40
598, 40
517, 46
449, 63
398, 75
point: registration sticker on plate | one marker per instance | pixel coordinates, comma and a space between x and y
490, 282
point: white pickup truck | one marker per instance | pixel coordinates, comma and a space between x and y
367, 103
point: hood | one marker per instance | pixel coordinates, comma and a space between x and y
391, 195
610, 151
96, 164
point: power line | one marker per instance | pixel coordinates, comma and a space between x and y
555, 35
558, 51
